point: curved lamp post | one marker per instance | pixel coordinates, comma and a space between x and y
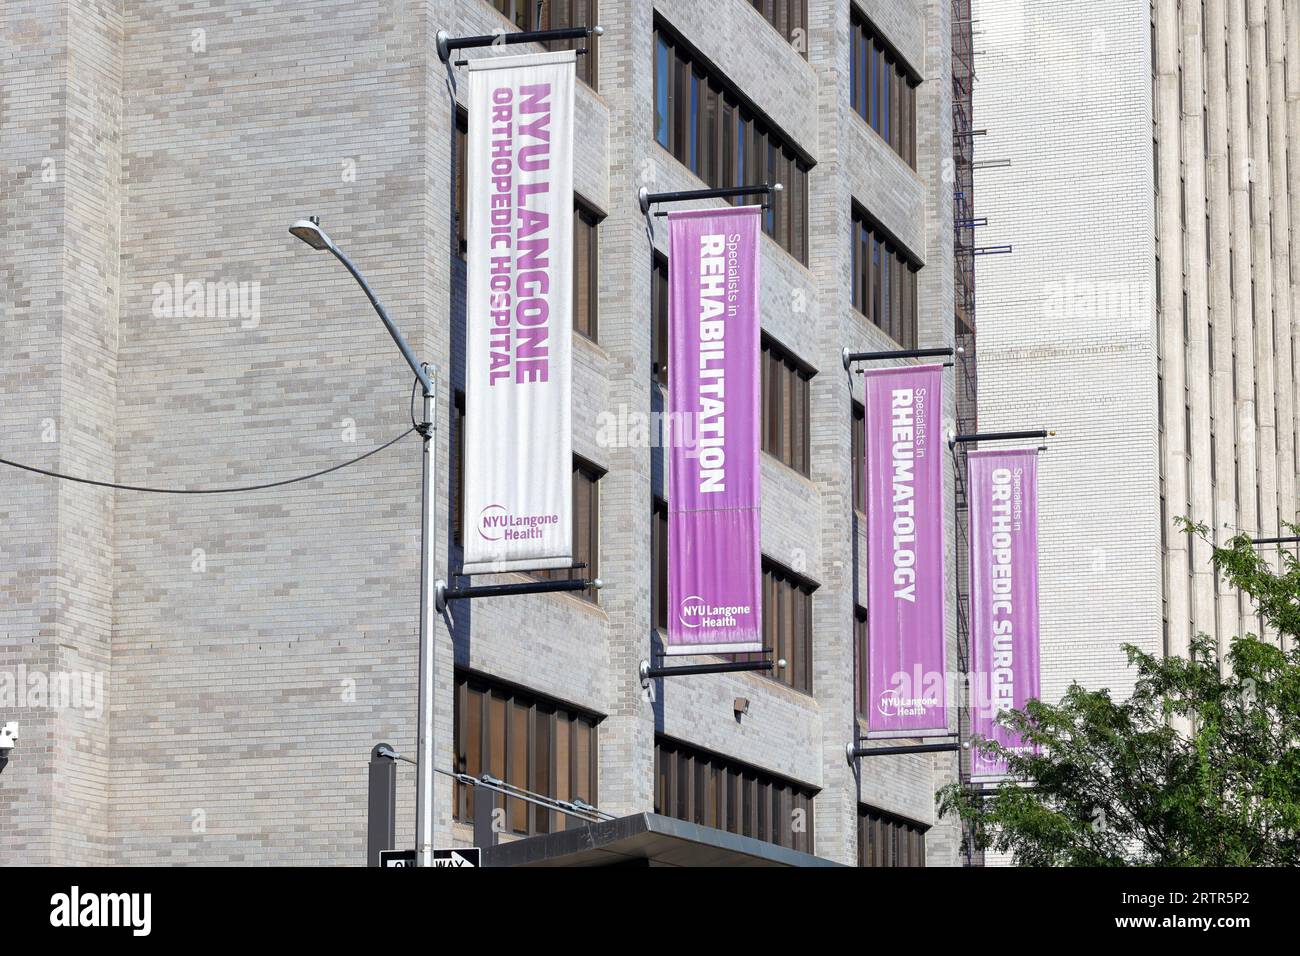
310, 232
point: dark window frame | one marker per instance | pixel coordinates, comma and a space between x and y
882, 87
787, 626
553, 15
786, 397
586, 222
885, 839
550, 730
884, 279
659, 563
858, 455
659, 320
679, 70
587, 476
785, 17
713, 790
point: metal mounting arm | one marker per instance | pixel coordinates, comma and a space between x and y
954, 439
446, 43
443, 594
648, 199
850, 357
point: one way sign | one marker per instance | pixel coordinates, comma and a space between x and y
471, 858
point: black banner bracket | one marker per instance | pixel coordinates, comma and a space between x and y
849, 358
442, 593
447, 43
646, 198
1039, 434
648, 673
853, 751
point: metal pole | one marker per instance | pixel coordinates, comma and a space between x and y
428, 532
382, 803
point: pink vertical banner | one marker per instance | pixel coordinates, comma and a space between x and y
907, 655
1003, 596
714, 562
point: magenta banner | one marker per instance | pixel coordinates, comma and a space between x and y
1003, 596
714, 564
907, 659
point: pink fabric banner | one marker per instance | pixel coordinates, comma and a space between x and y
714, 563
1003, 596
907, 659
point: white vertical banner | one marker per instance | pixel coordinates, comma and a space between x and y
518, 494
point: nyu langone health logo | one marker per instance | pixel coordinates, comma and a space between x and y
75, 909
694, 611
893, 704
495, 523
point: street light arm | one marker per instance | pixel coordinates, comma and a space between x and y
407, 354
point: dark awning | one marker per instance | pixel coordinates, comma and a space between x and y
645, 839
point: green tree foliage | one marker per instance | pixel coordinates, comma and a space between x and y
1199, 767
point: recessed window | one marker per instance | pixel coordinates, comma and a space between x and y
887, 840
659, 563
860, 647
858, 454
714, 791
882, 90
786, 388
715, 132
789, 18
787, 626
586, 527
884, 280
554, 15
659, 321
526, 740
586, 269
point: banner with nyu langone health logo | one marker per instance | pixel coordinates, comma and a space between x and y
1003, 597
907, 660
518, 484
714, 564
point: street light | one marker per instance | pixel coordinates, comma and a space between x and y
310, 232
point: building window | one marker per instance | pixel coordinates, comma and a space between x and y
858, 454
710, 128
860, 693
787, 626
659, 321
786, 411
884, 280
553, 15
887, 840
713, 791
789, 18
462, 165
586, 268
882, 90
458, 467
659, 563
527, 741
586, 527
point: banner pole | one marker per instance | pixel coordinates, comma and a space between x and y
428, 533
